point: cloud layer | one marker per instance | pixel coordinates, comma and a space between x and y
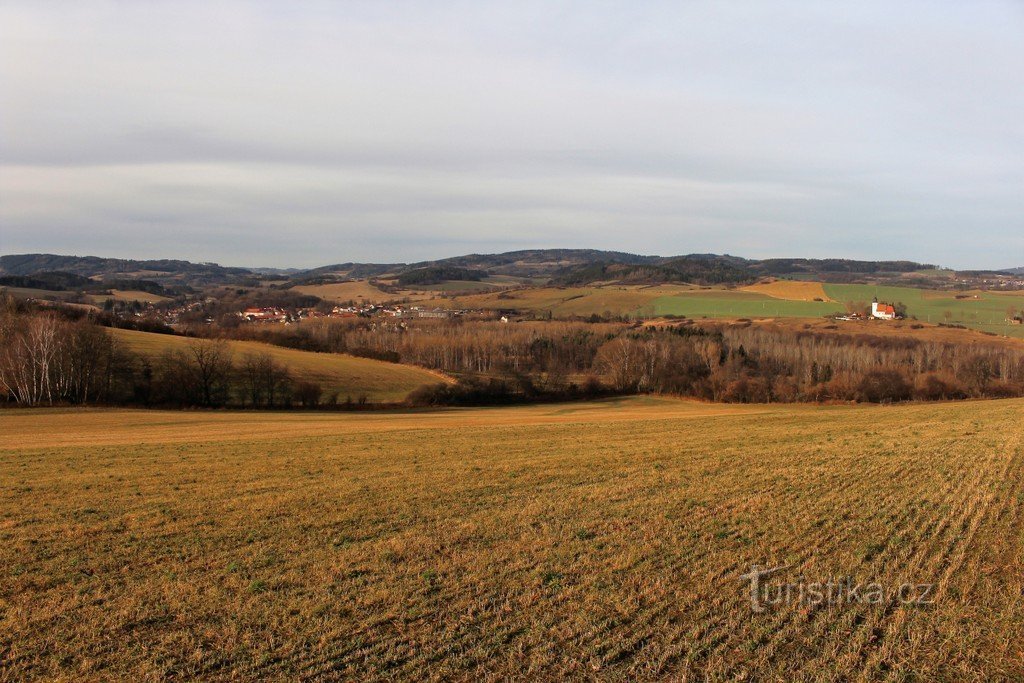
271, 134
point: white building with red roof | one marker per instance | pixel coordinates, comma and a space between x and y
883, 311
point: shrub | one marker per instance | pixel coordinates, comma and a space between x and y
884, 386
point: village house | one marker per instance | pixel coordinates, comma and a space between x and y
264, 315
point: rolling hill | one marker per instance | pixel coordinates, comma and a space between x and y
349, 376
164, 271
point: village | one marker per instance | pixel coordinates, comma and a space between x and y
274, 314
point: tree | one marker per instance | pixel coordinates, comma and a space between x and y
200, 375
308, 394
211, 369
264, 381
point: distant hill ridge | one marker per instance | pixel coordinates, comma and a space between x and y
566, 266
93, 266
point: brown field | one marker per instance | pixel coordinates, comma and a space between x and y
874, 328
584, 541
349, 376
359, 291
790, 290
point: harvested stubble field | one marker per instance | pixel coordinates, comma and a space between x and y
602, 540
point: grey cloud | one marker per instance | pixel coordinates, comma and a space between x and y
378, 131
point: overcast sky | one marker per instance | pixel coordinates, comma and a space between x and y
300, 133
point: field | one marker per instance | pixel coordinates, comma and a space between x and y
979, 310
724, 303
30, 293
129, 295
603, 540
987, 312
348, 375
359, 291
790, 290
902, 329
568, 301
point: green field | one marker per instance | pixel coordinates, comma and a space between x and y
591, 541
986, 313
722, 303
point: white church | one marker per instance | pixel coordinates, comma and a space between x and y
883, 311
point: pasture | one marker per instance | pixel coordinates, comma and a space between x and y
980, 310
726, 303
598, 540
349, 376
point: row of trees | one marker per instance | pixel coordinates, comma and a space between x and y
737, 363
727, 362
46, 358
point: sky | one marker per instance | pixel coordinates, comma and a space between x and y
296, 134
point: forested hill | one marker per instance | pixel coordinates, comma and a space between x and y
162, 270
567, 266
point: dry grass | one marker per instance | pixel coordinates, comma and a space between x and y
583, 541
790, 290
357, 290
334, 372
883, 329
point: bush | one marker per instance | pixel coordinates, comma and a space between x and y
884, 386
466, 392
931, 387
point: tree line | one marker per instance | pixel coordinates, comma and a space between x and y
50, 357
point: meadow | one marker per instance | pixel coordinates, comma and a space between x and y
349, 376
600, 540
980, 310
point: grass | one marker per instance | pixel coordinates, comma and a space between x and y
359, 291
600, 540
723, 303
792, 290
782, 298
129, 295
903, 329
569, 301
334, 372
987, 312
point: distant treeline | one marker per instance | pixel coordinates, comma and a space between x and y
715, 269
57, 281
47, 357
433, 275
725, 362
